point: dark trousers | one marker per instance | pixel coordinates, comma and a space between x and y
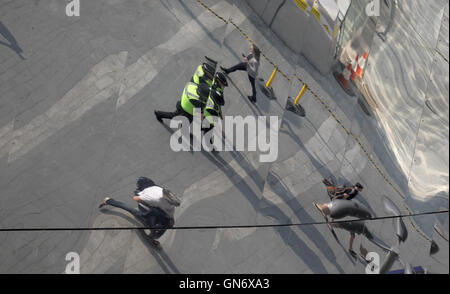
151, 218
179, 111
206, 130
243, 67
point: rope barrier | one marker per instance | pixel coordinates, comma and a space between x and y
214, 227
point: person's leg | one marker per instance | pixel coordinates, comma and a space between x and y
136, 213
350, 245
323, 208
167, 224
363, 252
240, 66
352, 238
184, 113
169, 115
156, 234
166, 114
252, 82
155, 219
150, 220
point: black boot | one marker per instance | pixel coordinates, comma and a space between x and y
157, 116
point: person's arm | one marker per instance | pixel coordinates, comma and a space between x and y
247, 61
343, 195
197, 103
203, 80
138, 199
346, 195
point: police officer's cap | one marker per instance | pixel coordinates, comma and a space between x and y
218, 97
222, 78
208, 68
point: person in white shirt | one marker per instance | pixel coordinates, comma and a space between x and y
251, 65
156, 207
153, 197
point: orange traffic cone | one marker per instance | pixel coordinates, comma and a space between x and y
361, 62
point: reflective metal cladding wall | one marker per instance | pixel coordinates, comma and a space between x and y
408, 78
307, 27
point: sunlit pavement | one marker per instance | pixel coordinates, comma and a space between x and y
77, 124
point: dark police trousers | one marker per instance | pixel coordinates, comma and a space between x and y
178, 112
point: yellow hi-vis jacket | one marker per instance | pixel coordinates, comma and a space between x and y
199, 76
190, 99
212, 111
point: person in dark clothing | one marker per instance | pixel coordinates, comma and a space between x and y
342, 192
179, 111
251, 65
156, 207
153, 217
349, 192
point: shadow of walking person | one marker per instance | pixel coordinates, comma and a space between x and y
158, 254
13, 45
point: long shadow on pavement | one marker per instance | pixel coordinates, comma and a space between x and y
159, 254
288, 235
13, 45
313, 234
320, 167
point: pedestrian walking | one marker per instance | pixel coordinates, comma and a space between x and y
156, 207
251, 65
342, 192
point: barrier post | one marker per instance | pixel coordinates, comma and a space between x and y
272, 76
267, 88
297, 100
294, 105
